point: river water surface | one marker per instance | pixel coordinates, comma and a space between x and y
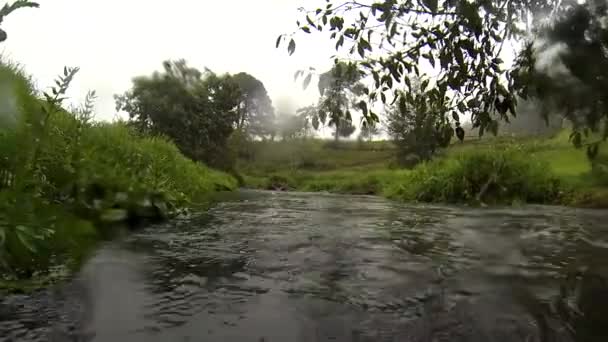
283, 267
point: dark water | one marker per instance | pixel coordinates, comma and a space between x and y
312, 267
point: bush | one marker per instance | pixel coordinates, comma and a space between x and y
55, 163
479, 176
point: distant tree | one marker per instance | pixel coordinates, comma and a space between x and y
196, 110
418, 129
310, 115
344, 129
368, 131
340, 89
561, 47
255, 111
291, 126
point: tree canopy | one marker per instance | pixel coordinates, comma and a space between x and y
344, 128
456, 49
197, 110
255, 111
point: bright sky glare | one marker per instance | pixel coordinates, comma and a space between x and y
114, 40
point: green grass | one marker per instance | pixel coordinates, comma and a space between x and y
315, 155
535, 170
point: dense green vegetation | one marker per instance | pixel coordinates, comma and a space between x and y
451, 53
65, 179
491, 170
63, 176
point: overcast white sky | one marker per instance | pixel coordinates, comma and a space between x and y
115, 40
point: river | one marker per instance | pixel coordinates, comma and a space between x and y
266, 266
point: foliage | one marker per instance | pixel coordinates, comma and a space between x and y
255, 111
550, 171
481, 176
344, 128
456, 49
418, 129
340, 89
314, 155
369, 131
579, 38
292, 126
58, 168
196, 110
8, 9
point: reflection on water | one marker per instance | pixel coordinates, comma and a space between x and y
310, 267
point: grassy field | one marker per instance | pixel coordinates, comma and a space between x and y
370, 168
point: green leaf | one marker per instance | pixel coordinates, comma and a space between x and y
431, 5
315, 122
461, 107
376, 78
310, 22
363, 106
340, 42
455, 116
279, 41
460, 133
297, 74
361, 50
292, 47
305, 29
365, 44
307, 81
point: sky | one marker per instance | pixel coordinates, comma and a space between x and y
113, 41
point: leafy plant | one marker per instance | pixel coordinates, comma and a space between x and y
8, 9
455, 48
198, 111
485, 176
418, 129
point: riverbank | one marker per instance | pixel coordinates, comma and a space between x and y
66, 181
505, 170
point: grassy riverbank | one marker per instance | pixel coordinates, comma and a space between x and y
492, 170
64, 178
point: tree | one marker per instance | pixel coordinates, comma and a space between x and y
418, 130
196, 110
292, 126
256, 114
344, 129
340, 89
368, 131
456, 49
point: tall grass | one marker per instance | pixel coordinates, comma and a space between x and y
500, 176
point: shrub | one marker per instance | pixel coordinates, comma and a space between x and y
479, 176
53, 161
